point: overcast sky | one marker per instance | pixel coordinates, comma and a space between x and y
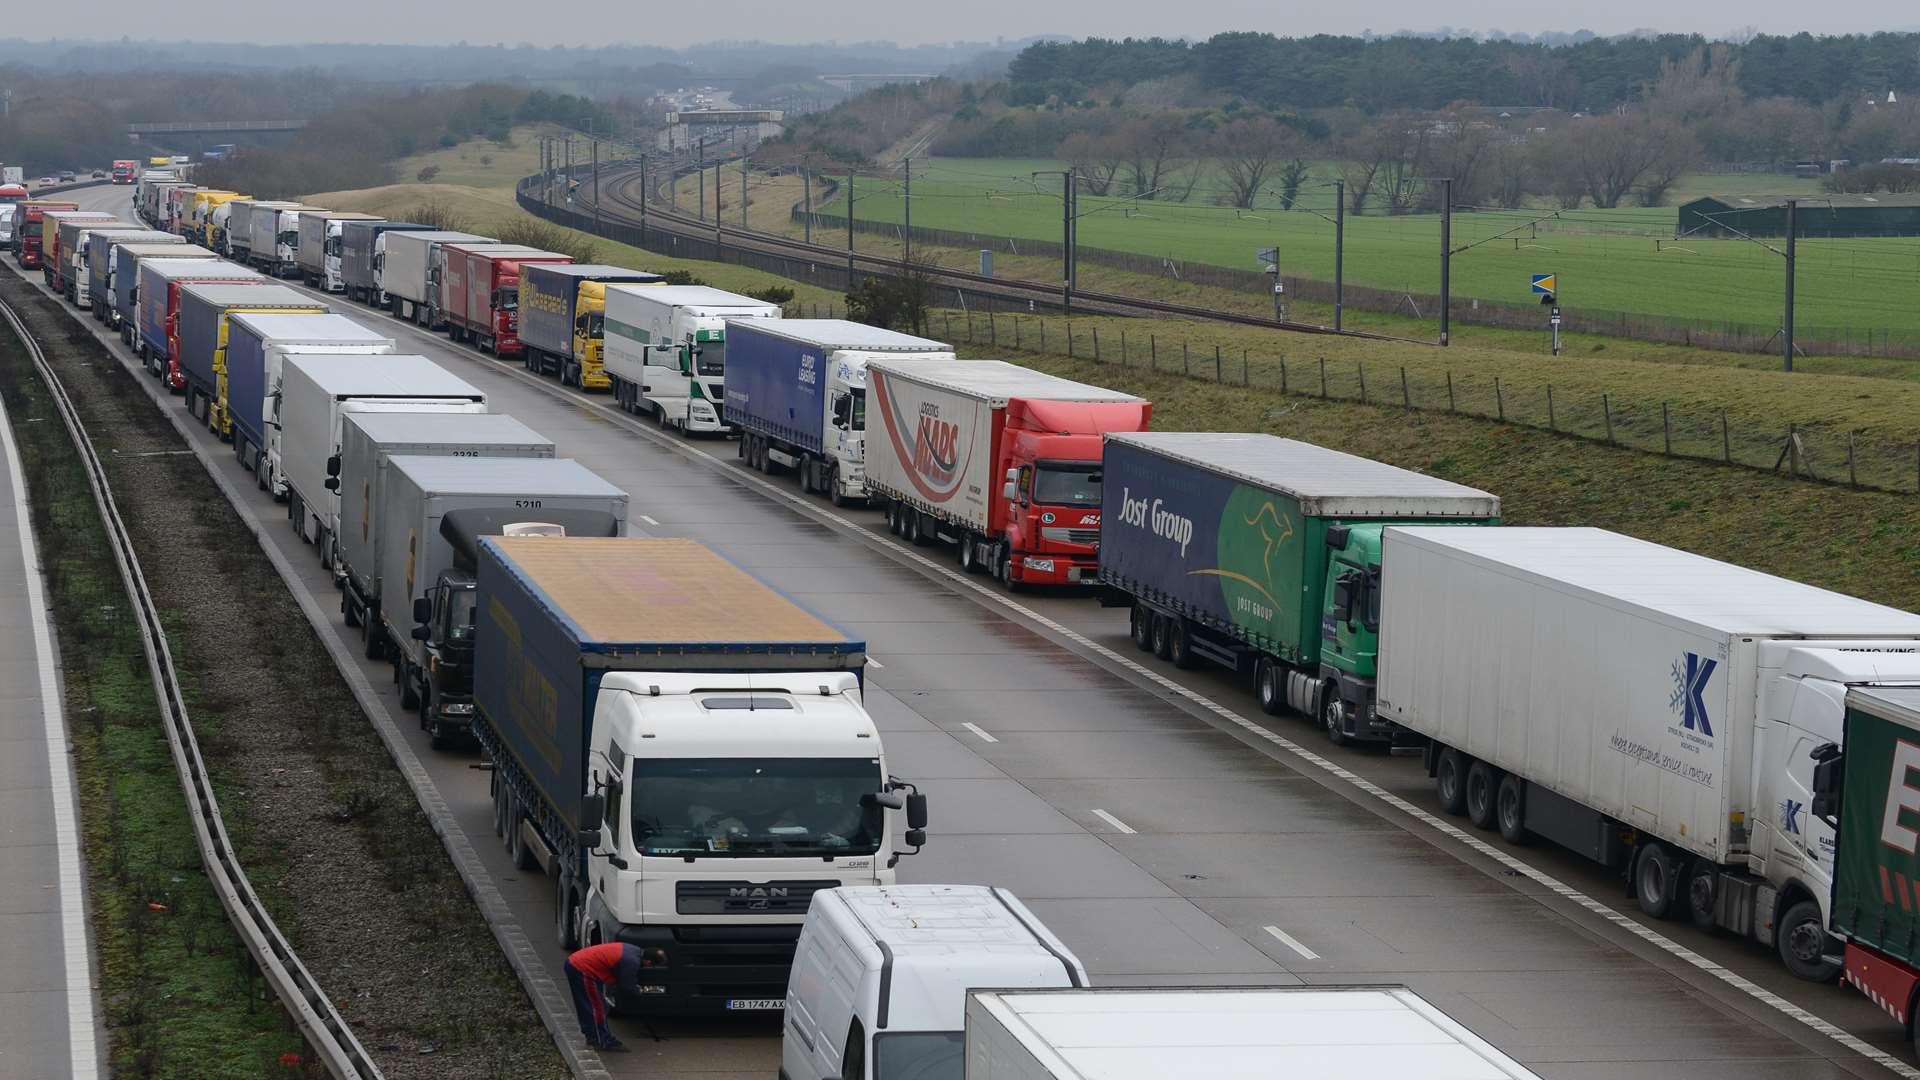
594, 22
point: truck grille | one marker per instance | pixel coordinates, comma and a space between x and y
746, 897
1089, 537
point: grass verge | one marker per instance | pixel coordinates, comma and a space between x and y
178, 991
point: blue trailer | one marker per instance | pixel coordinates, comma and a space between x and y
200, 332
356, 255
156, 302
257, 344
797, 390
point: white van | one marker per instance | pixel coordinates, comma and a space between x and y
880, 977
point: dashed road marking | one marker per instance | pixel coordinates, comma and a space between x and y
1115, 822
976, 729
1291, 942
647, 519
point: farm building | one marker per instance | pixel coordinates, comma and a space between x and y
1818, 215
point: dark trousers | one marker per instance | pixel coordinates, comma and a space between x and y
589, 1005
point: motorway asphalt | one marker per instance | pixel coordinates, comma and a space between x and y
1162, 826
47, 1005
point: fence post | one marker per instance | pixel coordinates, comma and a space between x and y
1406, 399
1216, 363
1450, 407
1283, 384
1552, 424
1016, 333
1043, 335
1606, 406
1243, 368
1726, 440
1069, 339
1153, 352
1186, 358
1323, 378
1852, 479
1123, 346
1499, 400
1666, 428
993, 329
1363, 380
1096, 344
969, 326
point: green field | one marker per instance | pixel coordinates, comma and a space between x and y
1622, 260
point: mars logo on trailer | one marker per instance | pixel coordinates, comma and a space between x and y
936, 446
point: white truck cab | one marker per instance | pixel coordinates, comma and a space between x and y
880, 978
666, 350
731, 799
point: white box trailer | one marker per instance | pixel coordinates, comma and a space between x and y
316, 394
666, 350
258, 344
1224, 1033
406, 270
1640, 705
367, 442
274, 239
318, 254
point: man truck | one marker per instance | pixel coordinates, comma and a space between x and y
667, 350
562, 319
359, 241
1650, 709
797, 390
480, 292
684, 751
318, 253
1000, 460
1262, 555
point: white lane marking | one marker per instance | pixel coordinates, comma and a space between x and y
648, 520
874, 662
1089, 647
1115, 822
1291, 942
82, 1053
976, 729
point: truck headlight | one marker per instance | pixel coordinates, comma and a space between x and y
457, 708
1044, 566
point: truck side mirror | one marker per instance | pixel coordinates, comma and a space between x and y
333, 465
593, 808
422, 632
588, 839
332, 483
1009, 491
1828, 777
422, 610
917, 812
1343, 595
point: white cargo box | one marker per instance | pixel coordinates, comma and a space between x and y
369, 440
316, 393
1620, 674
1228, 1033
404, 273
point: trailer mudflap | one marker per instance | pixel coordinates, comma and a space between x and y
1887, 982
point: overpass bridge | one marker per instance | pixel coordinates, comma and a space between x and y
212, 127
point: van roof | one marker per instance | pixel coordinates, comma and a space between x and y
939, 919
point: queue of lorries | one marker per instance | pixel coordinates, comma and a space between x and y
1689, 722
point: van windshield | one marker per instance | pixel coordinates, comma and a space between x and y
738, 807
919, 1055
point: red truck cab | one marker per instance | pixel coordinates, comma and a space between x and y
124, 171
480, 293
31, 228
1050, 468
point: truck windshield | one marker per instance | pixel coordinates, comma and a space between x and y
1067, 484
596, 326
460, 609
920, 1055
725, 807
710, 357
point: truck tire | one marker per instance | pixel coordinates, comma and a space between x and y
516, 842
1331, 719
1180, 644
1802, 941
1703, 888
566, 915
1656, 882
1510, 809
1450, 780
1483, 786
1162, 634
1140, 624
968, 564
375, 643
1269, 686
834, 494
916, 527
348, 613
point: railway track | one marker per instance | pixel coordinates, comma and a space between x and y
621, 204
327, 1035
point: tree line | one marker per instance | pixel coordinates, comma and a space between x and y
1401, 73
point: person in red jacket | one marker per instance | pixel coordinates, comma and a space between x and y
588, 970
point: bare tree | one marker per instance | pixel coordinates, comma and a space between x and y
1293, 174
1611, 155
1675, 153
1699, 86
1546, 79
1154, 149
1462, 147
1251, 152
1380, 159
1095, 158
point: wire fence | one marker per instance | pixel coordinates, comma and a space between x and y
1812, 453
1721, 334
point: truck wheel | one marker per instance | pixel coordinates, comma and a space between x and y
1703, 894
804, 473
375, 644
1332, 715
566, 920
895, 523
1483, 783
499, 806
968, 564
834, 494
1510, 807
1162, 636
1180, 644
1450, 781
1656, 881
1140, 625
1803, 943
1268, 686
913, 527
516, 842
347, 614
409, 697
